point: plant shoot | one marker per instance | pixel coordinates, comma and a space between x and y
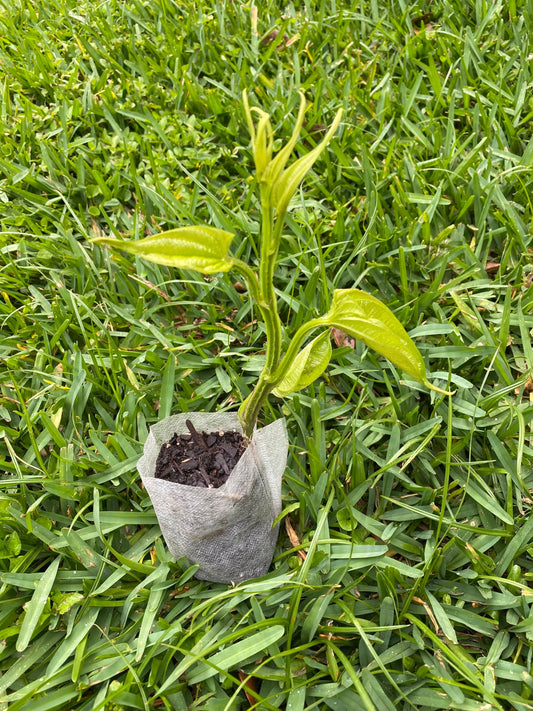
206, 250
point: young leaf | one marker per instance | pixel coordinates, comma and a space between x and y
286, 184
363, 316
310, 362
263, 144
204, 249
278, 163
269, 168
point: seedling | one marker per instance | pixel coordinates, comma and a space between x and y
206, 250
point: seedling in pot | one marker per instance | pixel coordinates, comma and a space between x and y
206, 250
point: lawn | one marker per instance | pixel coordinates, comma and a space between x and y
402, 575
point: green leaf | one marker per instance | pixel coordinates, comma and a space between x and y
204, 249
262, 139
286, 184
157, 593
363, 316
81, 549
11, 546
269, 168
263, 144
36, 605
278, 163
442, 618
236, 654
23, 662
308, 365
63, 602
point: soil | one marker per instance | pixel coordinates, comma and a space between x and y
200, 459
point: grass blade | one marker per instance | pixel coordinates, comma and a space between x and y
36, 605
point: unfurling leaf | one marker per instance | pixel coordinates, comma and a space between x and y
262, 139
269, 168
310, 362
363, 316
286, 184
263, 145
204, 249
278, 163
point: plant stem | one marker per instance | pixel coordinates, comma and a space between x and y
251, 407
249, 410
267, 303
251, 280
266, 284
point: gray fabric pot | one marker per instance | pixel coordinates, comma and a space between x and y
226, 531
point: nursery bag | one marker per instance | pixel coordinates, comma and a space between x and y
227, 531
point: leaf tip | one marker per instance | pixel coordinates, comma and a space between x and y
437, 389
109, 241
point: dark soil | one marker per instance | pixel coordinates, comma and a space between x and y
200, 459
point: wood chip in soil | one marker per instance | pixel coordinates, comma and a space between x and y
204, 459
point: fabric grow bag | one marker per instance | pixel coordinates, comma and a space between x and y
226, 531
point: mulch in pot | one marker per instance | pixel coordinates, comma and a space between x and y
204, 459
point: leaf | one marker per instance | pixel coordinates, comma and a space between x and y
236, 654
262, 139
481, 492
202, 248
307, 366
249, 687
515, 546
36, 605
63, 602
363, 316
263, 144
348, 550
442, 618
11, 546
81, 549
29, 660
286, 184
157, 593
278, 163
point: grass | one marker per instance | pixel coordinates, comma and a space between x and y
403, 576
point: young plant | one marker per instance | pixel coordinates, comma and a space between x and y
206, 250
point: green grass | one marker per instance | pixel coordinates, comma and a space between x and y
413, 510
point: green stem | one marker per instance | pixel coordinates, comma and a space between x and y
251, 280
251, 407
266, 284
249, 410
267, 302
